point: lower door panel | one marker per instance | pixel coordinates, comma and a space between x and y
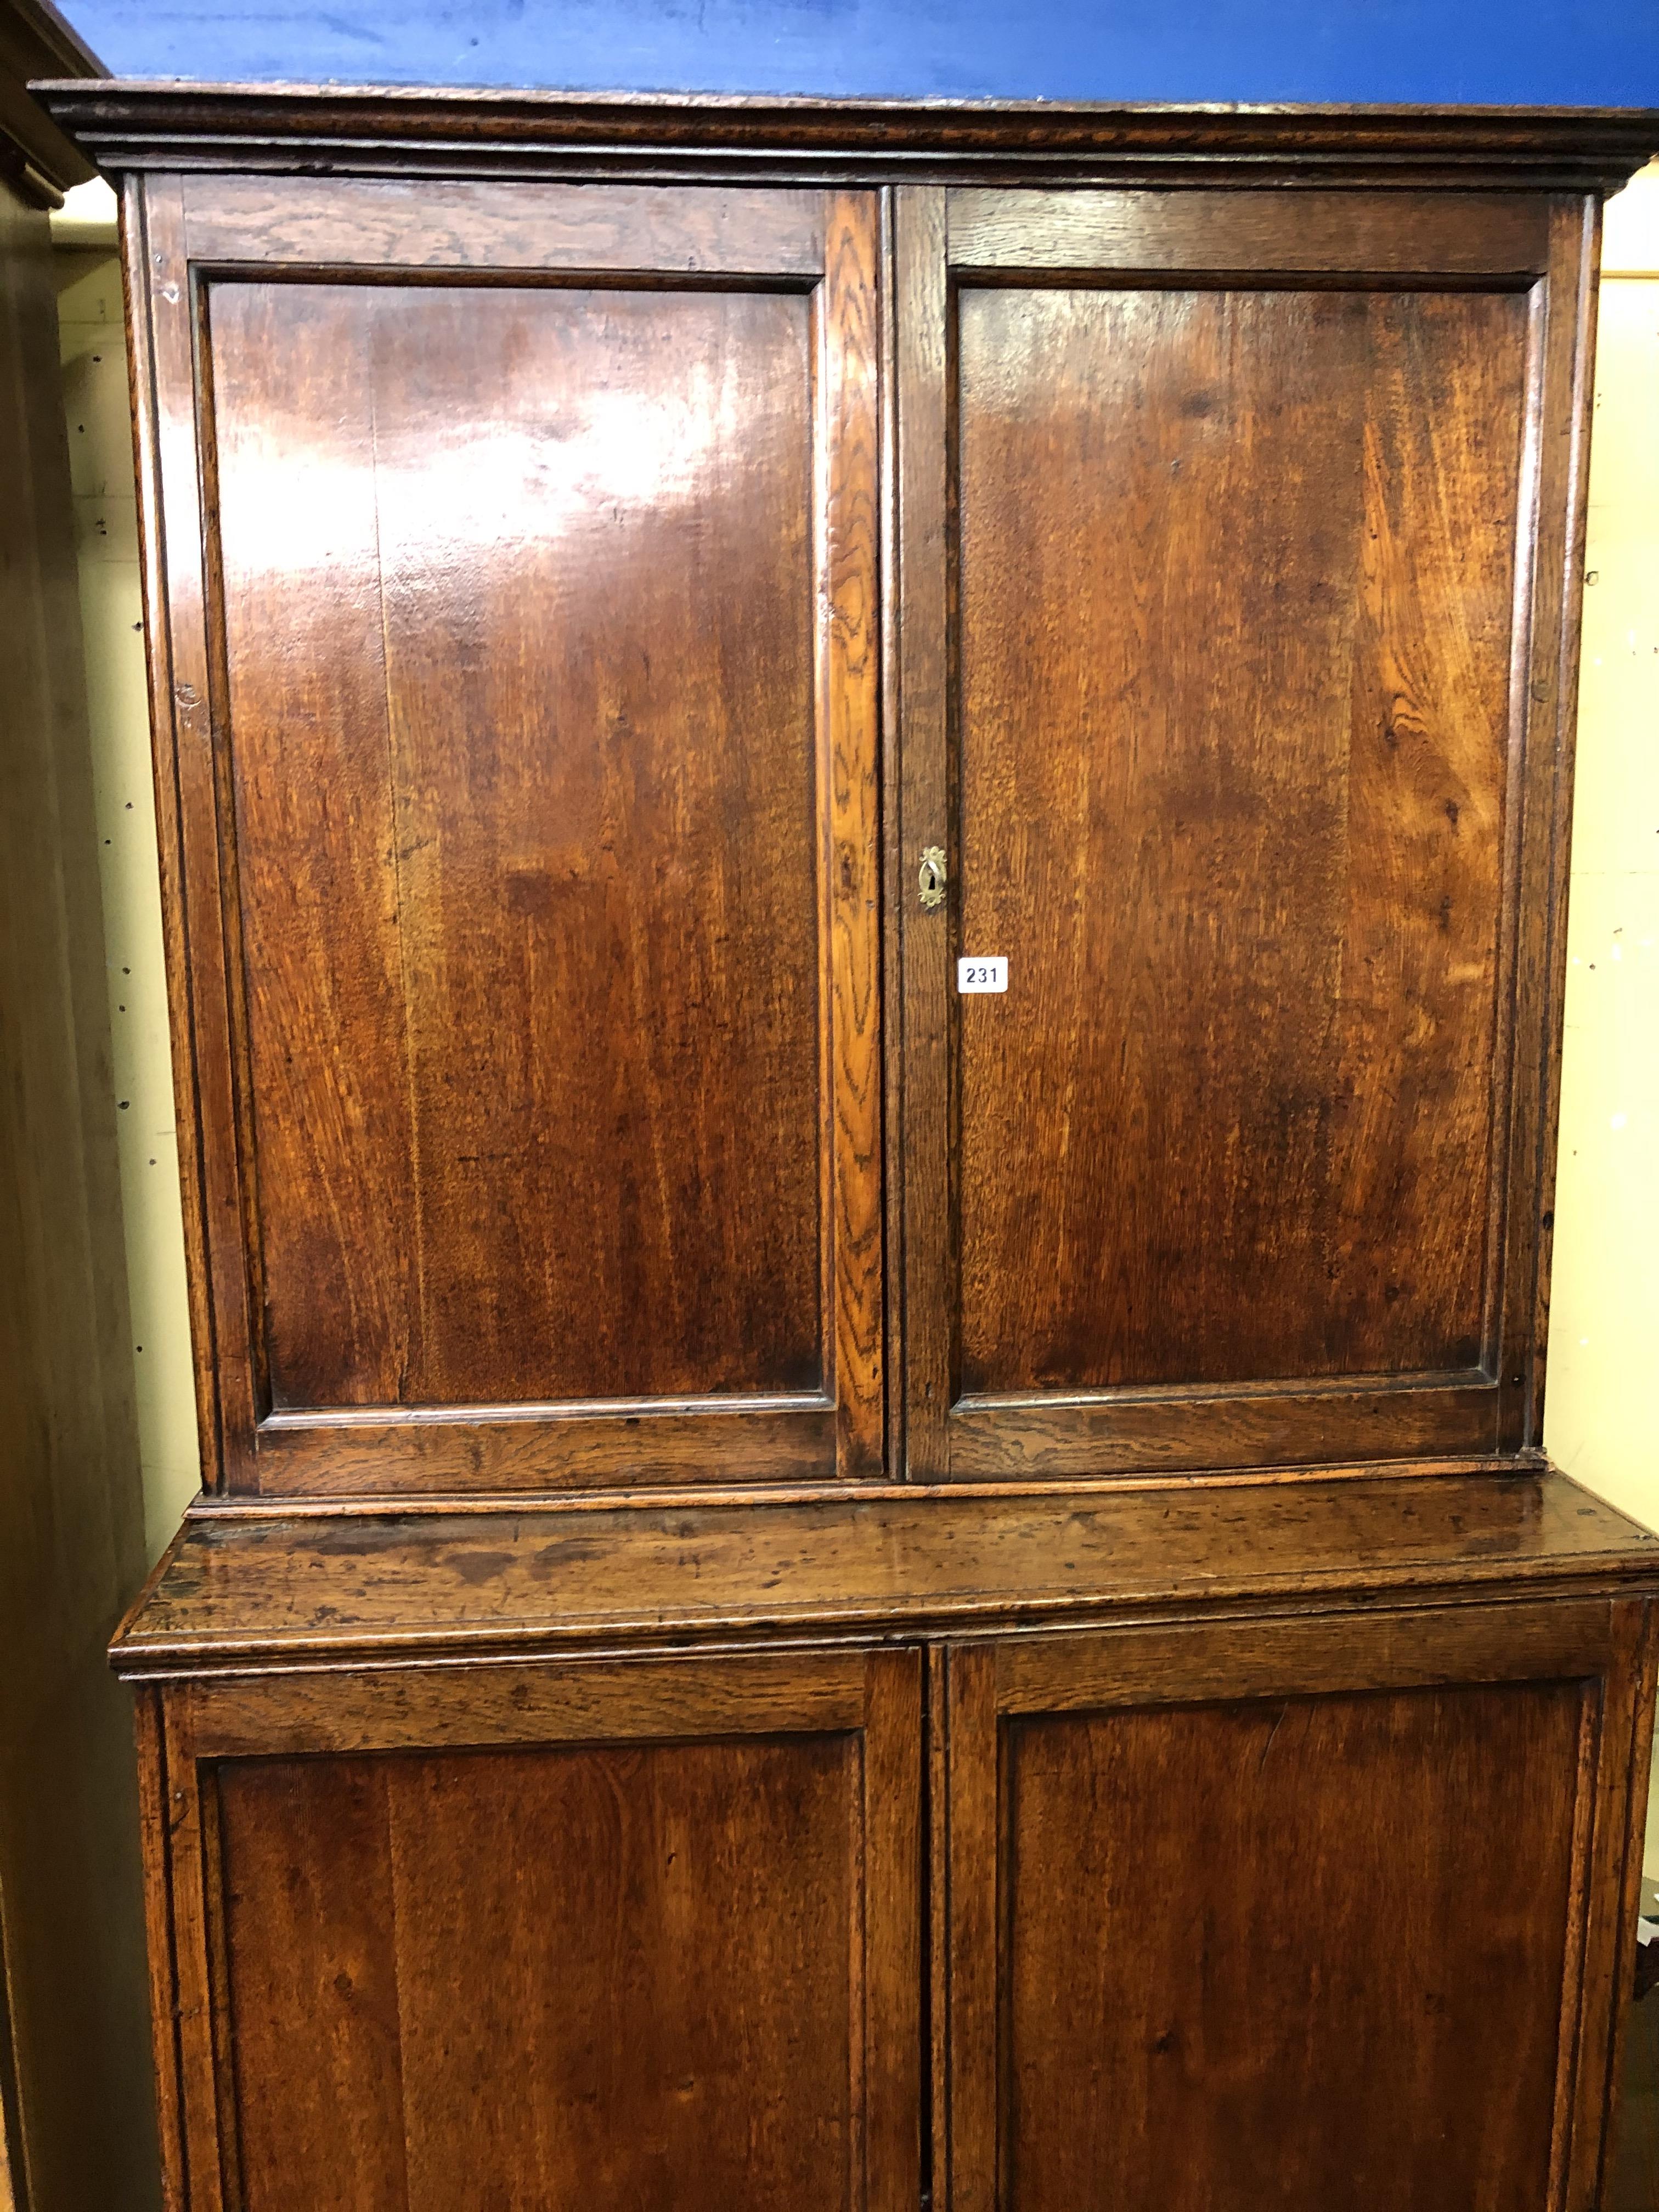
634, 1935
1313, 1914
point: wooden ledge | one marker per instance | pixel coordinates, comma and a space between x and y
372, 130
239, 1590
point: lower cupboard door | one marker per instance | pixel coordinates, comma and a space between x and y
586, 1938
1317, 1915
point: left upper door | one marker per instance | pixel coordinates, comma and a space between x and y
511, 595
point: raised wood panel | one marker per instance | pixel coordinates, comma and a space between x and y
540, 1105
552, 1978
1396, 2047
1238, 823
518, 620
1309, 1928
665, 1952
1245, 658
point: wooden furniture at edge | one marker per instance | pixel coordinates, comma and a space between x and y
818, 1591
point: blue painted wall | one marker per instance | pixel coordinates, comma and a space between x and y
1517, 51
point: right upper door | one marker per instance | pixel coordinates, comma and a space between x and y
1237, 546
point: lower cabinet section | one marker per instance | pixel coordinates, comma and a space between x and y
1317, 1913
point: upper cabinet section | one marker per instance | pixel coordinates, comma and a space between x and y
1237, 653
519, 553
858, 793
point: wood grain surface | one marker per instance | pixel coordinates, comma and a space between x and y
241, 1586
417, 129
1309, 1912
518, 607
1399, 2048
1234, 724
591, 552
667, 1957
539, 1095
1234, 535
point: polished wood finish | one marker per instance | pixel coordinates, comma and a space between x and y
820, 1591
75, 2125
1251, 1166
243, 1586
1296, 1911
1254, 912
649, 1934
1239, 1171
539, 1094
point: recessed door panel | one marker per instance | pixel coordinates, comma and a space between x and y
1317, 1947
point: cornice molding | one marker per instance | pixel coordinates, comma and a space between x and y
352, 130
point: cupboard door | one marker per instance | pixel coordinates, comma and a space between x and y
514, 620
1235, 679
1328, 1914
641, 1934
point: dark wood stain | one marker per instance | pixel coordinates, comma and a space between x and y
538, 1095
273, 1586
1252, 754
657, 1946
421, 131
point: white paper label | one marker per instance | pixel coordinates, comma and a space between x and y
983, 975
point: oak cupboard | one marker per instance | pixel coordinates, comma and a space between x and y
1132, 1846
864, 816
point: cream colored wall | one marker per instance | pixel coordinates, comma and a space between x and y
1600, 1422
1604, 1349
100, 456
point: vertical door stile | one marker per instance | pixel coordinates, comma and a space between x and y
921, 310
850, 707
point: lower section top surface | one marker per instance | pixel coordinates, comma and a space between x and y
271, 1585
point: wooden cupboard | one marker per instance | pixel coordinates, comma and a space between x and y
864, 818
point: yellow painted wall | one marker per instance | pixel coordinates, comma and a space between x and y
1599, 1423
1604, 1351
107, 534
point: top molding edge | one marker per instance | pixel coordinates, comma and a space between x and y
367, 130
